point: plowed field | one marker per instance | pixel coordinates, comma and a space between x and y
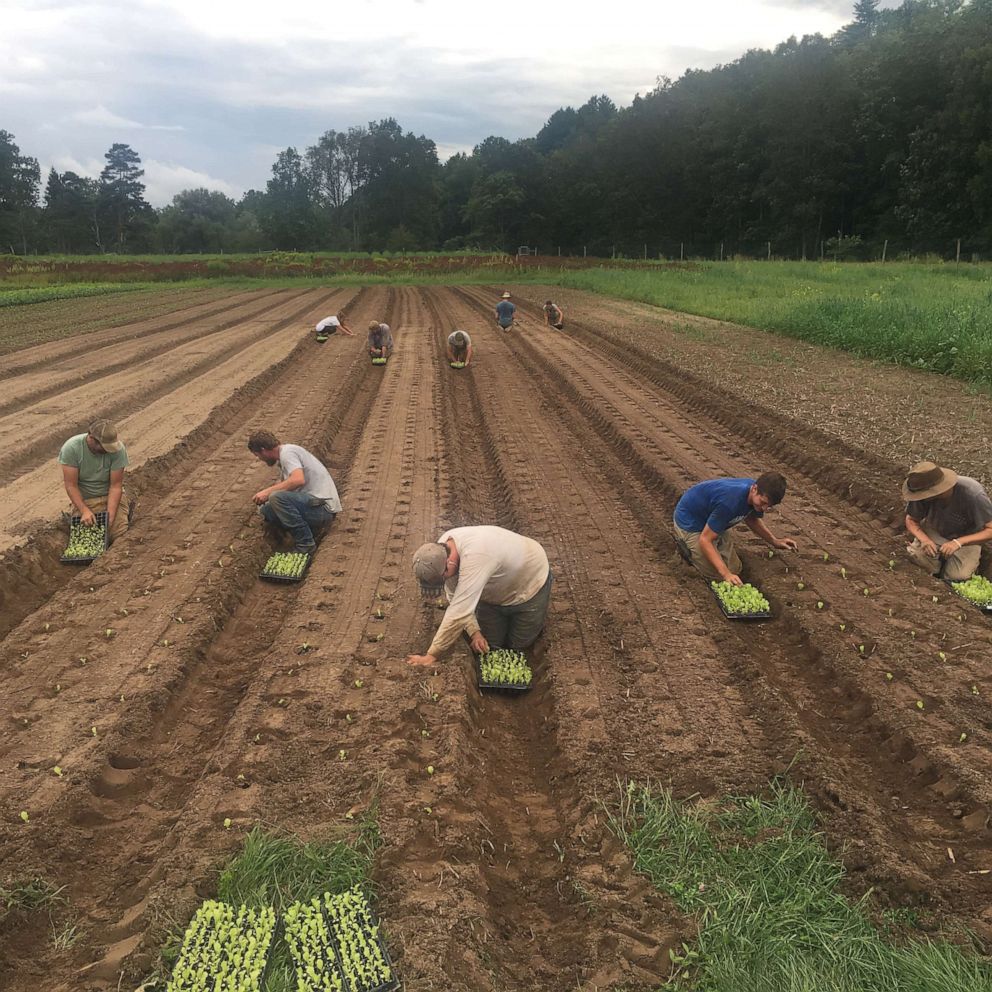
498, 870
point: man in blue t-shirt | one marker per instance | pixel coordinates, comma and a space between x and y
504, 312
706, 513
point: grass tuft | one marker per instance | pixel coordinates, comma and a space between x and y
29, 895
766, 894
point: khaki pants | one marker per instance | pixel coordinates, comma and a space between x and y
689, 541
960, 566
99, 505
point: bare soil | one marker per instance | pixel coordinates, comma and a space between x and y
498, 870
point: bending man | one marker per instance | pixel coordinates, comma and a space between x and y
707, 511
331, 325
305, 499
460, 348
949, 517
553, 316
498, 586
93, 474
380, 340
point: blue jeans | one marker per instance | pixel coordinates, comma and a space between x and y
292, 511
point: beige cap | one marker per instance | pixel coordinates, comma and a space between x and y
429, 561
105, 431
927, 479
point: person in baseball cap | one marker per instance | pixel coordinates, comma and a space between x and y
949, 517
498, 586
93, 465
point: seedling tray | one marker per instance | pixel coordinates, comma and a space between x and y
331, 955
501, 687
985, 608
286, 579
731, 615
76, 521
379, 361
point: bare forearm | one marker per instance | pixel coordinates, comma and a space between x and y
761, 529
979, 537
915, 529
711, 554
76, 497
114, 501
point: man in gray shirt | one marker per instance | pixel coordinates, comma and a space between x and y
949, 517
304, 500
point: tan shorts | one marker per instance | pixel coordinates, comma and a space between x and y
960, 566
99, 505
724, 546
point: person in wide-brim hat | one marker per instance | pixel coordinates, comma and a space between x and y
949, 517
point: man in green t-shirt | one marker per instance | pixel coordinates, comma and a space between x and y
93, 472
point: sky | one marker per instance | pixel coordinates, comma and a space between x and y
208, 92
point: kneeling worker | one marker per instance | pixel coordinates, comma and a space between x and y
553, 315
93, 474
460, 348
305, 499
505, 312
498, 586
707, 511
380, 340
949, 517
331, 325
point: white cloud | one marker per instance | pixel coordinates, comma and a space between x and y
102, 117
163, 180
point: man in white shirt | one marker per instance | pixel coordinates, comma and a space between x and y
305, 499
331, 325
498, 586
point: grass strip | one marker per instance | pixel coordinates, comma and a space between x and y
767, 897
930, 316
68, 291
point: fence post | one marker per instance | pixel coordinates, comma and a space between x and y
885, 249
583, 251
682, 252
721, 251
957, 254
769, 251
559, 251
613, 254
645, 253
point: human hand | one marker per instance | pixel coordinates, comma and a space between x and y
951, 547
262, 496
421, 660
786, 544
734, 580
479, 644
928, 546
87, 517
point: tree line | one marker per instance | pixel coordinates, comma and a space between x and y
879, 135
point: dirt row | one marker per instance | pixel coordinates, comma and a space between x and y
175, 690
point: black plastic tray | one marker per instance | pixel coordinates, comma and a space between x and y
393, 983
511, 690
287, 579
380, 365
986, 609
764, 615
75, 521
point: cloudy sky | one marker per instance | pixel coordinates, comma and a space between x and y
208, 91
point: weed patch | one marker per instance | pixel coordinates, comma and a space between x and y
767, 897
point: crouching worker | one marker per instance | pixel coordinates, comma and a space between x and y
708, 510
93, 474
380, 340
949, 517
304, 501
460, 348
553, 315
331, 325
498, 586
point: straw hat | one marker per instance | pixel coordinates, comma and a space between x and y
506, 296
926, 480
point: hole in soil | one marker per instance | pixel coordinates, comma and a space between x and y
124, 762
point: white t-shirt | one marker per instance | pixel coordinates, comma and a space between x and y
496, 566
328, 324
317, 480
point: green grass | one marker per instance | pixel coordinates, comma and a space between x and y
936, 317
72, 291
276, 870
28, 895
766, 894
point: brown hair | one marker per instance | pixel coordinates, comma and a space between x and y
258, 440
772, 485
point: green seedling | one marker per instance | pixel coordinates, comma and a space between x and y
227, 823
745, 599
430, 769
889, 676
919, 704
942, 656
286, 565
866, 591
359, 683
962, 738
819, 604
503, 667
24, 815
800, 586
342, 754
86, 542
977, 590
93, 731
57, 771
